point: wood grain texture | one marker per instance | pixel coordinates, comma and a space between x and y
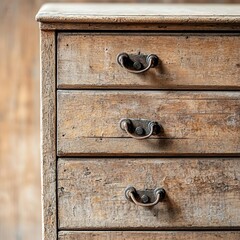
160, 27
144, 235
20, 214
200, 193
140, 13
195, 61
194, 123
160, 17
48, 134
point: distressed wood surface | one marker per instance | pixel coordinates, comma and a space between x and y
141, 13
145, 235
194, 123
160, 17
195, 61
48, 135
200, 193
160, 27
20, 214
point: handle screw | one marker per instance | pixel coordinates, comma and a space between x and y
137, 65
139, 131
145, 198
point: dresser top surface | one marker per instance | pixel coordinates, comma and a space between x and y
139, 13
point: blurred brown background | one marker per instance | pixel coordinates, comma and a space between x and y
20, 197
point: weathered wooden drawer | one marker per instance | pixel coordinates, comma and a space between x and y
140, 127
193, 123
147, 235
199, 193
195, 61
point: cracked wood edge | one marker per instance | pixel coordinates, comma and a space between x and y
48, 135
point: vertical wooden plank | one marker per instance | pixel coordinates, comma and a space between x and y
48, 135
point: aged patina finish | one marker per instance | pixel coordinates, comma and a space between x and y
140, 121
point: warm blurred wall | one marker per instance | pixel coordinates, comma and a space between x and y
20, 207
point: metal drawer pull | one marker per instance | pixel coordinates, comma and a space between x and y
137, 63
140, 128
142, 198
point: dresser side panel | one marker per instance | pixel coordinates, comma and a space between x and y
48, 134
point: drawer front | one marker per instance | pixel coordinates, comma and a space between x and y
185, 61
145, 235
193, 123
199, 193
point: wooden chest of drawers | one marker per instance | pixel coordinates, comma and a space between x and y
140, 121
